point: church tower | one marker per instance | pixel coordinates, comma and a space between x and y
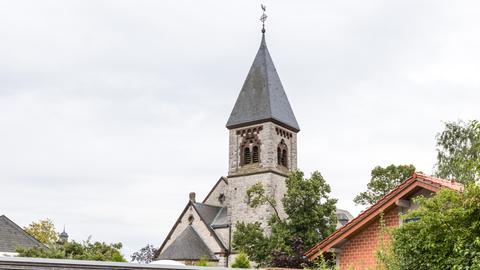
262, 140
262, 149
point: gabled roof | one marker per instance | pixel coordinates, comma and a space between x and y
13, 237
262, 97
222, 179
187, 246
415, 182
207, 213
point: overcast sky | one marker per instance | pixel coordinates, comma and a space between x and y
111, 112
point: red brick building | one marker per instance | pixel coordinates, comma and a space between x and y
355, 244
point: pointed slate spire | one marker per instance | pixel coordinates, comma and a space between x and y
262, 97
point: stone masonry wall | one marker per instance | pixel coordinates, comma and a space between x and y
269, 139
239, 210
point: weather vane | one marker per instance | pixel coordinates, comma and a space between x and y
263, 18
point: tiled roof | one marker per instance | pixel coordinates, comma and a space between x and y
431, 182
187, 246
13, 237
262, 97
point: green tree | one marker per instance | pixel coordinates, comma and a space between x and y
310, 217
43, 230
311, 212
203, 261
458, 151
144, 255
383, 180
241, 261
444, 232
250, 239
87, 250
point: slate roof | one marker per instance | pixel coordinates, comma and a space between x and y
187, 246
207, 212
221, 219
262, 97
13, 237
210, 215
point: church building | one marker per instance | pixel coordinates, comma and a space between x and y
262, 148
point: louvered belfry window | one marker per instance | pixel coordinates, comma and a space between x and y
284, 158
279, 156
255, 157
282, 154
247, 158
250, 146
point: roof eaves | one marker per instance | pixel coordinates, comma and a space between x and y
373, 209
172, 230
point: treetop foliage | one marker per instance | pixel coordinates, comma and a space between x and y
445, 235
458, 151
96, 251
383, 181
44, 231
144, 255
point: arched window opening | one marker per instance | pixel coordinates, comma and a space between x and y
284, 158
247, 157
255, 154
250, 149
279, 156
282, 154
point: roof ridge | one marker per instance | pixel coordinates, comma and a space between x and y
20, 231
263, 45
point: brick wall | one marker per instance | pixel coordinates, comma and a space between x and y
359, 252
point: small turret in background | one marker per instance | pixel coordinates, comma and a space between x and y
63, 236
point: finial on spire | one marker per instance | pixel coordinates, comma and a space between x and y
263, 18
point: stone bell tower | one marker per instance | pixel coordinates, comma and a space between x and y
262, 140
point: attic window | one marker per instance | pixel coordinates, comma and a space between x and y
221, 198
413, 219
190, 219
